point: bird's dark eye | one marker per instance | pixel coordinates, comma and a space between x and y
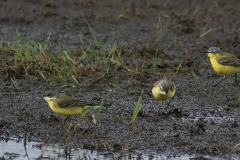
47, 94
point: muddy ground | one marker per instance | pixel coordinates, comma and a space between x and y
201, 119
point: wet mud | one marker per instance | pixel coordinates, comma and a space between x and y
201, 119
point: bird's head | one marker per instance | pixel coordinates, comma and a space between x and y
213, 51
164, 87
50, 95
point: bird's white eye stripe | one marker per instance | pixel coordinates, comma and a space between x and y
161, 88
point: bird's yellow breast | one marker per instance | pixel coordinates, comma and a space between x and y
70, 111
158, 95
222, 69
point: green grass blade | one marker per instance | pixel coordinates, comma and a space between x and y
137, 109
234, 148
179, 66
83, 115
94, 35
99, 110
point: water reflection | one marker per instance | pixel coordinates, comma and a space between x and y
13, 149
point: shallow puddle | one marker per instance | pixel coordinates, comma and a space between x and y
13, 149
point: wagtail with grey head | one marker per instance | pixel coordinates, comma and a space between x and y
163, 90
65, 105
223, 63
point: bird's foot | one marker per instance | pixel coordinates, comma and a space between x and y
237, 81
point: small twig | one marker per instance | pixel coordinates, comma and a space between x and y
236, 33
25, 144
157, 31
130, 44
126, 141
124, 66
94, 133
74, 150
45, 149
180, 83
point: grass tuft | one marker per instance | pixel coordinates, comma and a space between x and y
135, 113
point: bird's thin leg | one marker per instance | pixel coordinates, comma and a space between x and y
68, 118
170, 101
219, 81
159, 110
236, 78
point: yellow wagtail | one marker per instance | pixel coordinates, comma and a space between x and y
65, 105
163, 90
223, 63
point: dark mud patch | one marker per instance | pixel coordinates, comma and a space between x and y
201, 119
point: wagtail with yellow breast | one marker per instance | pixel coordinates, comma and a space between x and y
223, 63
163, 90
65, 105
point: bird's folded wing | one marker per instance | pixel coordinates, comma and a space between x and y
82, 103
65, 101
172, 86
228, 60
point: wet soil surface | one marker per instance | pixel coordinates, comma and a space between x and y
200, 119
